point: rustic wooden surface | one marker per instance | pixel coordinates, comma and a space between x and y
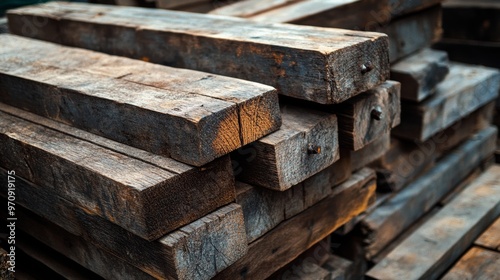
248, 8
400, 211
306, 68
4, 266
465, 89
341, 268
152, 107
437, 244
366, 117
174, 4
306, 143
128, 191
420, 73
491, 237
477, 263
198, 250
371, 152
485, 53
292, 237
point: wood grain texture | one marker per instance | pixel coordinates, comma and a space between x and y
198, 250
306, 143
248, 8
292, 237
463, 91
190, 116
366, 117
146, 198
477, 263
439, 242
491, 237
420, 73
400, 211
296, 60
371, 152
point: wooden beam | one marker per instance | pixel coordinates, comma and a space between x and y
198, 250
306, 143
438, 243
146, 198
463, 91
364, 118
420, 73
294, 59
147, 106
477, 263
292, 237
371, 152
491, 237
248, 8
400, 211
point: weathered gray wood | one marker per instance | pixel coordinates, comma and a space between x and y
4, 28
292, 237
295, 59
420, 73
465, 89
341, 269
437, 244
198, 250
364, 118
477, 263
191, 116
400, 211
406, 160
173, 4
142, 197
306, 143
491, 237
370, 152
247, 8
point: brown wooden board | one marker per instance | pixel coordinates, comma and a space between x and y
306, 143
388, 220
371, 152
366, 117
292, 237
190, 116
198, 250
297, 60
440, 241
463, 91
477, 263
420, 73
491, 237
146, 198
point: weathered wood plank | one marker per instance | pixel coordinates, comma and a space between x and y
364, 118
292, 237
294, 59
306, 143
477, 263
463, 91
400, 211
370, 152
198, 250
140, 196
138, 100
248, 8
437, 244
406, 160
420, 73
173, 4
491, 237
341, 269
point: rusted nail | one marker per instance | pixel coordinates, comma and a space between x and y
313, 150
376, 113
365, 68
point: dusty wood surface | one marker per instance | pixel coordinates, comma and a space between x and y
140, 196
294, 59
370, 152
306, 143
366, 117
477, 263
152, 107
465, 89
491, 237
439, 242
400, 211
198, 250
420, 73
292, 237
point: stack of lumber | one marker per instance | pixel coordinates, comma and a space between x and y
128, 168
